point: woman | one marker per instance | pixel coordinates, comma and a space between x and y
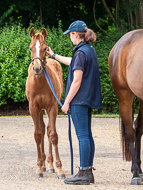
83, 93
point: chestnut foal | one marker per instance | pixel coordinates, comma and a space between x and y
41, 98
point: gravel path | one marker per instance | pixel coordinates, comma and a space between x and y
18, 156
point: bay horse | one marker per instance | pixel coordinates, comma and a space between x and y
41, 98
126, 73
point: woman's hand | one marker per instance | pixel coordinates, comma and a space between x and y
50, 52
65, 107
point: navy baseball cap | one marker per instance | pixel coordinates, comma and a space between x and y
76, 26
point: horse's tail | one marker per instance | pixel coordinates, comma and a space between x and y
125, 145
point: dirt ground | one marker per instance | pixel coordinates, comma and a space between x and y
18, 156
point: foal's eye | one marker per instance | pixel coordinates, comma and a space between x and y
30, 49
45, 49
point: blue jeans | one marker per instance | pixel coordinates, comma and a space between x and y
81, 117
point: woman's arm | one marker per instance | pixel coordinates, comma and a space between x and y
73, 89
62, 59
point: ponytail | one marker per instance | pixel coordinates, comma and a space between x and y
88, 36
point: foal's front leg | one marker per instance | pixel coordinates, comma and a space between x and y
42, 127
50, 155
39, 137
53, 138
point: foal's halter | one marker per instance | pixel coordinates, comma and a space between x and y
44, 62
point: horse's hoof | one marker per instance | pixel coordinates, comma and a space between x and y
39, 175
61, 176
141, 176
136, 181
51, 170
43, 169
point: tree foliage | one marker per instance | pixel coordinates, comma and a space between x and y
126, 13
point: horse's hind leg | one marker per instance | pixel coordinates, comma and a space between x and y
139, 132
125, 108
53, 136
37, 116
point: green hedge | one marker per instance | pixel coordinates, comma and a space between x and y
103, 47
15, 59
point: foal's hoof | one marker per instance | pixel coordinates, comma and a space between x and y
136, 181
43, 169
39, 175
51, 170
61, 176
141, 176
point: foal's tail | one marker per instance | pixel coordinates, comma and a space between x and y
125, 145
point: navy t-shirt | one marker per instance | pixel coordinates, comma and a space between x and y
89, 93
80, 61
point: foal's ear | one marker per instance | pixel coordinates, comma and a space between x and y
44, 33
32, 32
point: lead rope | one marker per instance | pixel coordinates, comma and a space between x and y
69, 131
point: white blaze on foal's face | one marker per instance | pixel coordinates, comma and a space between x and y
37, 50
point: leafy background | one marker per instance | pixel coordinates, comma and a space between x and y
15, 59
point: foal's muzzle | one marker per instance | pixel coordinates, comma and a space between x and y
37, 69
